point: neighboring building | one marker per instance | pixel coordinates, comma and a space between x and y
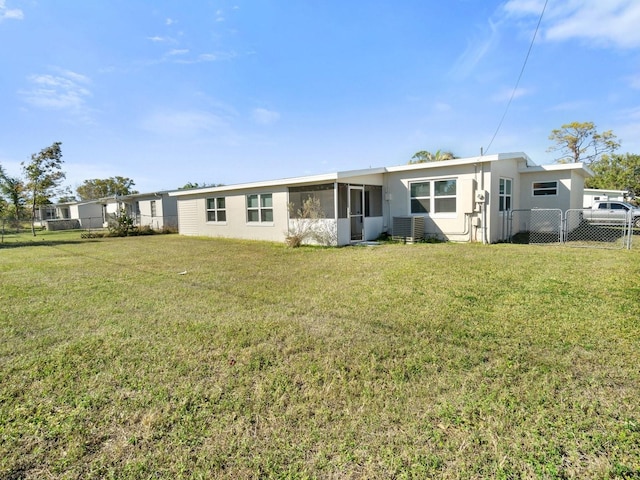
461, 200
58, 211
594, 194
156, 210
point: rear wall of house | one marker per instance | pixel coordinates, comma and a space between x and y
193, 218
456, 225
507, 171
563, 198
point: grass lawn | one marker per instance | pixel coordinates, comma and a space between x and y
398, 361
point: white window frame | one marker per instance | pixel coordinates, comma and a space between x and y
433, 197
152, 205
540, 189
216, 210
503, 196
262, 209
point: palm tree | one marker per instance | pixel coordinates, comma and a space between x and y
424, 156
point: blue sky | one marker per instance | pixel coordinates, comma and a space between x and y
170, 92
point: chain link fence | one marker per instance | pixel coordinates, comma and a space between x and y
537, 226
584, 228
575, 228
88, 226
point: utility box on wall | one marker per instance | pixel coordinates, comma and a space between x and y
481, 196
466, 195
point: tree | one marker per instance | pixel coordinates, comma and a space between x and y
13, 189
107, 187
43, 174
192, 185
3, 202
3, 207
616, 172
66, 196
424, 156
581, 142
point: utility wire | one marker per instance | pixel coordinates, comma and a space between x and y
513, 93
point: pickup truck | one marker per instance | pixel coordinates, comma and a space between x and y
611, 211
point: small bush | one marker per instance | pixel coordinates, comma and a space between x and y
307, 225
122, 225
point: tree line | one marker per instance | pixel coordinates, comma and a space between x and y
41, 181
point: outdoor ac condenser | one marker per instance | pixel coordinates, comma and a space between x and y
408, 229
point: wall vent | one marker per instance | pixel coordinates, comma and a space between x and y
408, 229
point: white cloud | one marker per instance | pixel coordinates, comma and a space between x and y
524, 7
505, 94
442, 107
181, 56
263, 116
159, 39
182, 123
603, 23
9, 13
476, 50
634, 81
177, 51
66, 90
169, 21
568, 106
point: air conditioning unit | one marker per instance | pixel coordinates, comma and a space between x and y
481, 196
408, 229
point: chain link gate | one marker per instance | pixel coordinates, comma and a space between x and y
588, 228
537, 226
576, 228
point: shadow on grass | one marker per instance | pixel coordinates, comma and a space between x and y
41, 243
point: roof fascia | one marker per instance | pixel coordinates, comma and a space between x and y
580, 168
310, 179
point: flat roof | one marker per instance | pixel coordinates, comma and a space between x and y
346, 174
327, 177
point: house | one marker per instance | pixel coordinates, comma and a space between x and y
156, 210
67, 215
464, 199
89, 214
594, 194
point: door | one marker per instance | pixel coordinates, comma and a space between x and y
356, 213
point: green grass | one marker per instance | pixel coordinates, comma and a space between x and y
397, 361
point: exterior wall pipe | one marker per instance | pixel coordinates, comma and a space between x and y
483, 207
467, 227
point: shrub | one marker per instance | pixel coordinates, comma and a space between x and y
122, 225
308, 225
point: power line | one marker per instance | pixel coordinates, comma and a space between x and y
513, 93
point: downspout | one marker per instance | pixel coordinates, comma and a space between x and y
386, 195
336, 209
483, 207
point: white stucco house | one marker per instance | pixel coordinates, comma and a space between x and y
463, 199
